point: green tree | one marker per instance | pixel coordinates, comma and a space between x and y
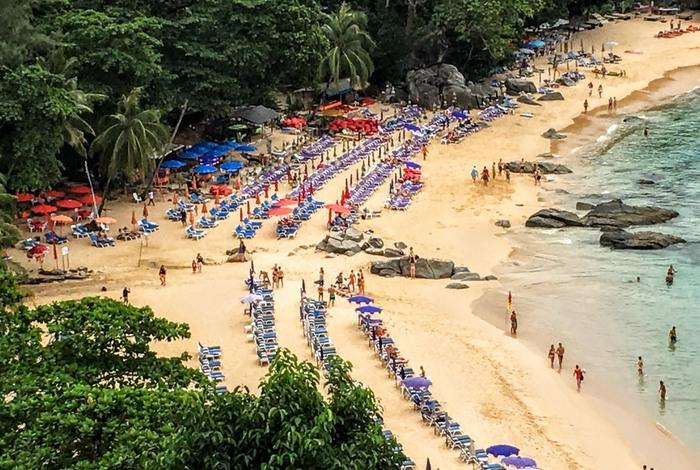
129, 140
350, 47
9, 235
18, 37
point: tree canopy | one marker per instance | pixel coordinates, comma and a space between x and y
84, 389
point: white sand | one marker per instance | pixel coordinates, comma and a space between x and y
496, 388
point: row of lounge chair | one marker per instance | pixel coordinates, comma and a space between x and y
287, 227
403, 197
262, 330
313, 321
431, 411
210, 365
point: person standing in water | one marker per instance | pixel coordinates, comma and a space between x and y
672, 336
662, 391
646, 132
560, 354
640, 366
551, 355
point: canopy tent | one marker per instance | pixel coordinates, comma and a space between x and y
208, 150
335, 89
257, 115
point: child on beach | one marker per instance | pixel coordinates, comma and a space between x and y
194, 266
161, 274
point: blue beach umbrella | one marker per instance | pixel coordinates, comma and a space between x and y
246, 148
413, 165
360, 299
503, 450
231, 166
536, 43
519, 462
204, 169
417, 382
368, 309
460, 115
172, 164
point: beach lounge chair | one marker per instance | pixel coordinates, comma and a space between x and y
51, 237
146, 226
242, 232
259, 213
254, 224
194, 233
173, 214
29, 243
218, 214
203, 222
185, 206
79, 231
100, 242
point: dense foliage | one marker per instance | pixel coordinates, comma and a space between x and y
82, 388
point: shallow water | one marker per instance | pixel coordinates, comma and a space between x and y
570, 289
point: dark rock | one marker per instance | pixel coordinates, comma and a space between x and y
393, 252
525, 99
546, 155
554, 96
490, 277
400, 245
374, 251
353, 234
546, 168
515, 86
430, 268
350, 253
465, 276
566, 81
643, 181
388, 273
456, 285
552, 133
584, 206
553, 218
377, 267
622, 240
503, 223
618, 214
460, 269
375, 242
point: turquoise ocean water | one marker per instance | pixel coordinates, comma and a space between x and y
570, 289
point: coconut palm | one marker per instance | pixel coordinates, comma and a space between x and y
129, 140
350, 45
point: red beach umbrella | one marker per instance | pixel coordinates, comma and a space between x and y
145, 211
87, 199
54, 194
68, 204
43, 209
82, 189
25, 197
280, 211
337, 208
133, 218
286, 202
204, 209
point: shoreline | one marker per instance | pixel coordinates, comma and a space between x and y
637, 425
497, 387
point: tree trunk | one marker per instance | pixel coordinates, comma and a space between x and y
160, 160
105, 195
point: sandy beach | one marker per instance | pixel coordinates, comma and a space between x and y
494, 385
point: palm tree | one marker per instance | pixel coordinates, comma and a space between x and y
350, 47
129, 140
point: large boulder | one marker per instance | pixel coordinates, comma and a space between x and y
552, 133
584, 206
353, 234
456, 285
383, 268
622, 240
426, 268
515, 86
526, 99
566, 81
553, 96
465, 276
544, 167
553, 218
618, 214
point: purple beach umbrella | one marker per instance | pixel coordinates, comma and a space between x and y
417, 382
360, 299
519, 462
503, 450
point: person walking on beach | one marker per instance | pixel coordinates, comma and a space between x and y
550, 356
151, 198
513, 323
331, 295
161, 274
125, 295
585, 106
560, 354
200, 262
183, 217
424, 151
351, 281
194, 266
507, 175
475, 174
500, 166
320, 292
614, 104
640, 366
672, 336
662, 391
590, 88
578, 373
361, 283
600, 91
493, 170
485, 176
411, 263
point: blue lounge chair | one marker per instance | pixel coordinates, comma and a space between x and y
173, 214
194, 233
79, 231
254, 224
260, 214
185, 206
219, 214
100, 242
147, 227
242, 232
203, 222
51, 237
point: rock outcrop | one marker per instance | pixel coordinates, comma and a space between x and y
503, 223
526, 99
552, 133
428, 85
547, 168
553, 218
342, 243
553, 96
622, 240
515, 86
618, 214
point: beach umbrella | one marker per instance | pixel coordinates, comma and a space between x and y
68, 204
417, 382
106, 220
172, 164
43, 209
192, 219
280, 211
216, 198
526, 51
133, 218
204, 208
247, 203
240, 213
88, 198
369, 309
145, 211
231, 166
360, 299
286, 202
246, 148
251, 298
54, 194
81, 189
519, 462
204, 169
337, 208
61, 219
503, 450
413, 165
25, 197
